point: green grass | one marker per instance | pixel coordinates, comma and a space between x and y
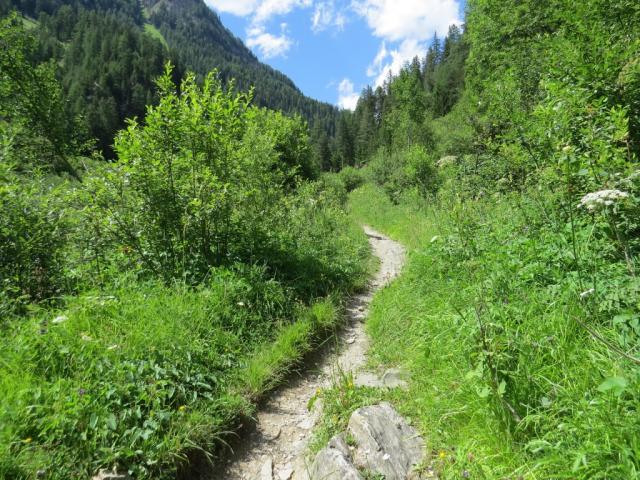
143, 376
152, 31
494, 266
29, 23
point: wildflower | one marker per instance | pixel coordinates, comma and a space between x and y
465, 474
587, 293
60, 319
240, 304
182, 408
81, 391
27, 440
442, 455
596, 200
566, 148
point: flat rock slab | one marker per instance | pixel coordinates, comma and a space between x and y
392, 378
385, 444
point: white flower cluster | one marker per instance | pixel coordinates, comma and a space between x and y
596, 200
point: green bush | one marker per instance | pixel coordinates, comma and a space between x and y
33, 233
351, 177
206, 181
400, 171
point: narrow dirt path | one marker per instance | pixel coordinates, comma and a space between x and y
275, 448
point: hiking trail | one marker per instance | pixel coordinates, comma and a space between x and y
275, 448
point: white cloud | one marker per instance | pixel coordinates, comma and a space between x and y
397, 20
347, 97
407, 25
326, 16
241, 8
267, 44
270, 8
393, 60
377, 64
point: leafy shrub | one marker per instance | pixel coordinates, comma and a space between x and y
351, 177
398, 172
32, 242
334, 186
200, 183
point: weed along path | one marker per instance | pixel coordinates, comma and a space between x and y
275, 449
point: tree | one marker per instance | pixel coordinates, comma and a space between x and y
31, 99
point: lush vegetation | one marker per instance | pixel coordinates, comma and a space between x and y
110, 53
148, 302
518, 196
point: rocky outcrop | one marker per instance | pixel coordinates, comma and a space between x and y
383, 443
334, 462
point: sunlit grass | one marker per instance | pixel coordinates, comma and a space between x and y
426, 322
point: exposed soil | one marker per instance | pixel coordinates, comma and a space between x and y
275, 448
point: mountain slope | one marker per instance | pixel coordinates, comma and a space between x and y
202, 43
110, 52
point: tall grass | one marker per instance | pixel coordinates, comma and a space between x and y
488, 318
140, 375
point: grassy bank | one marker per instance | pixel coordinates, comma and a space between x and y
147, 308
140, 376
505, 381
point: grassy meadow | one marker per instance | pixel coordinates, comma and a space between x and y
506, 381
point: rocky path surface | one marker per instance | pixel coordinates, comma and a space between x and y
275, 449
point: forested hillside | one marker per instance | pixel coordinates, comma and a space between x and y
506, 159
110, 52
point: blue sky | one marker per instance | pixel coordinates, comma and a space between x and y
331, 49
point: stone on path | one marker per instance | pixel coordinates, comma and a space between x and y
395, 378
286, 473
385, 444
392, 378
334, 462
266, 472
105, 474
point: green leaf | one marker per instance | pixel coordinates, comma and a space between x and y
581, 460
111, 421
484, 393
93, 421
502, 388
615, 384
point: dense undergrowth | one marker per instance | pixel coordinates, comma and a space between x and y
518, 312
146, 304
515, 369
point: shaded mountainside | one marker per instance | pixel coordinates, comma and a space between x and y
110, 52
202, 42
